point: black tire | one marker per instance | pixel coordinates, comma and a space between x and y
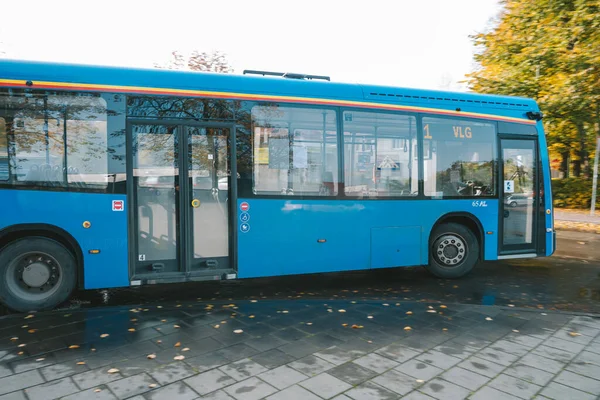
43, 257
513, 204
453, 251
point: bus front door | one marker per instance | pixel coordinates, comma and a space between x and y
519, 194
181, 185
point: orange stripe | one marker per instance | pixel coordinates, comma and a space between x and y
256, 97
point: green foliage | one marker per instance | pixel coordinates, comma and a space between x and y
573, 193
550, 51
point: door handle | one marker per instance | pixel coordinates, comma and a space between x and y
195, 203
506, 213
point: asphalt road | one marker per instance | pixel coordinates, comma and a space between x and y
568, 281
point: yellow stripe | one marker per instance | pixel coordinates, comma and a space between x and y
232, 95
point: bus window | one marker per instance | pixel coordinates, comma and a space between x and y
458, 157
3, 151
380, 157
295, 151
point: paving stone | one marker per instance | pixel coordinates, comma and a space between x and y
92, 394
131, 386
236, 352
371, 391
483, 367
580, 338
341, 397
265, 343
103, 358
396, 381
175, 391
209, 381
273, 358
416, 395
556, 391
510, 348
352, 373
335, 355
289, 334
52, 390
4, 369
543, 363
311, 365
23, 380
206, 362
584, 330
397, 352
172, 372
136, 366
456, 350
62, 370
299, 348
514, 386
554, 353
419, 370
565, 345
218, 395
250, 389
496, 356
465, 378
325, 385
438, 359
242, 369
95, 377
524, 340
20, 395
282, 377
489, 393
441, 389
579, 382
376, 363
294, 392
593, 322
31, 363
529, 374
587, 357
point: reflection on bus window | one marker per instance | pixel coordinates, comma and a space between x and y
4, 176
459, 158
380, 155
295, 151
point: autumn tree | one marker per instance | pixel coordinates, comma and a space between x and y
215, 61
549, 51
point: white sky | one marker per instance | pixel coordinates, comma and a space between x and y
407, 43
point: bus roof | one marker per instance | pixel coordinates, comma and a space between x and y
124, 77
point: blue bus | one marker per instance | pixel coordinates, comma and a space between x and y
113, 177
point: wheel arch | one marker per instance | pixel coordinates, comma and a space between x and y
466, 219
21, 231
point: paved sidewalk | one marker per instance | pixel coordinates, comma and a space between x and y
576, 216
300, 349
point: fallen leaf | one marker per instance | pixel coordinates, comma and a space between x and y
344, 325
133, 319
285, 311
217, 326
131, 329
74, 346
430, 307
455, 287
431, 311
574, 334
92, 349
32, 331
176, 326
369, 341
443, 306
409, 313
104, 335
357, 326
309, 323
40, 359
158, 306
342, 311
97, 390
420, 381
544, 313
25, 326
22, 345
515, 330
407, 328
444, 329
253, 301
370, 316
488, 319
250, 316
386, 305
113, 371
178, 358
178, 344
81, 363
152, 385
163, 320
185, 349
159, 341
14, 339
20, 353
29, 316
238, 331
511, 305
151, 356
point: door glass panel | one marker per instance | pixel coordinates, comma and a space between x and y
210, 177
156, 173
519, 191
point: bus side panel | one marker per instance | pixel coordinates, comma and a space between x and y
546, 176
283, 237
68, 211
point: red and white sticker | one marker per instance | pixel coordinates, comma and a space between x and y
118, 205
244, 206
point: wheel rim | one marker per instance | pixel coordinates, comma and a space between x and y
34, 275
450, 250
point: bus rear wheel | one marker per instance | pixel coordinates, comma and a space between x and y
36, 273
453, 251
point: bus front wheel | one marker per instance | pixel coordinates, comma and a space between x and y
36, 273
453, 251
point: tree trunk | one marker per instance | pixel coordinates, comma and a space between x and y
582, 152
564, 165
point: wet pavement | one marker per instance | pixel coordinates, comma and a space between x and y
509, 330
